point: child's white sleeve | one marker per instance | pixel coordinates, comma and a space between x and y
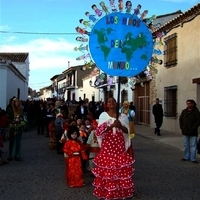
132, 113
64, 135
89, 141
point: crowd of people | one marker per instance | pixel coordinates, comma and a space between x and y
88, 139
95, 137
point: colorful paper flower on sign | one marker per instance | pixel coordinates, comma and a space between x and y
113, 6
157, 51
128, 7
120, 5
150, 20
102, 76
104, 7
86, 23
81, 39
153, 69
144, 14
137, 10
81, 48
156, 60
110, 80
91, 17
82, 31
97, 11
83, 57
132, 81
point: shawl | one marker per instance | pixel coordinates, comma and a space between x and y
104, 117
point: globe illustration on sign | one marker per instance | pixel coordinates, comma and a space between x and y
121, 44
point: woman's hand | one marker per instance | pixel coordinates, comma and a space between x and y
76, 153
116, 124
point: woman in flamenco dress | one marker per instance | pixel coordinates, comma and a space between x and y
113, 165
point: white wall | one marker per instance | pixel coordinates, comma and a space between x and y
88, 90
187, 68
13, 83
47, 93
24, 70
3, 87
10, 82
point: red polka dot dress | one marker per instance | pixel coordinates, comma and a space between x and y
114, 166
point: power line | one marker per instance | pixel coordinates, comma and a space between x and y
39, 33
40, 83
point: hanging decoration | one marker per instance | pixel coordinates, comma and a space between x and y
81, 39
81, 48
119, 41
86, 23
104, 7
83, 57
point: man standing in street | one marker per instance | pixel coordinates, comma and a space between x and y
158, 116
64, 109
189, 122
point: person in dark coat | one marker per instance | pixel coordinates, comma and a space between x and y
158, 116
64, 109
132, 107
189, 122
41, 117
81, 111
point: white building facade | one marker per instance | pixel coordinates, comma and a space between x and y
12, 83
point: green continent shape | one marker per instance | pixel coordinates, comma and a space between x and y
101, 39
130, 45
101, 36
109, 30
106, 51
144, 57
128, 53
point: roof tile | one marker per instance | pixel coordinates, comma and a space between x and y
14, 57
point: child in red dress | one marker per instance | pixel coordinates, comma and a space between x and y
75, 153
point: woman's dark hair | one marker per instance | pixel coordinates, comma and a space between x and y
52, 104
93, 6
192, 102
111, 97
82, 124
71, 120
87, 119
128, 3
71, 130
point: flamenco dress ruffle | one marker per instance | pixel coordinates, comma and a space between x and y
113, 176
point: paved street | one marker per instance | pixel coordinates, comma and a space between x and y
159, 171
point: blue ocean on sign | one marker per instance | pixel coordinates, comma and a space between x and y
121, 44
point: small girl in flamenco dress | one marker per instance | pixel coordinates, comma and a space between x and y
74, 154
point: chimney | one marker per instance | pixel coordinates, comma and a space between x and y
68, 64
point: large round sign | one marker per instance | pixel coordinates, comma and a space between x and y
121, 44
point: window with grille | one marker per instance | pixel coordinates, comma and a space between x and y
170, 51
170, 101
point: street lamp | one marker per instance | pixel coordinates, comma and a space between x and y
90, 83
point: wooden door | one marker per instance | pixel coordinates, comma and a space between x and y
143, 104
